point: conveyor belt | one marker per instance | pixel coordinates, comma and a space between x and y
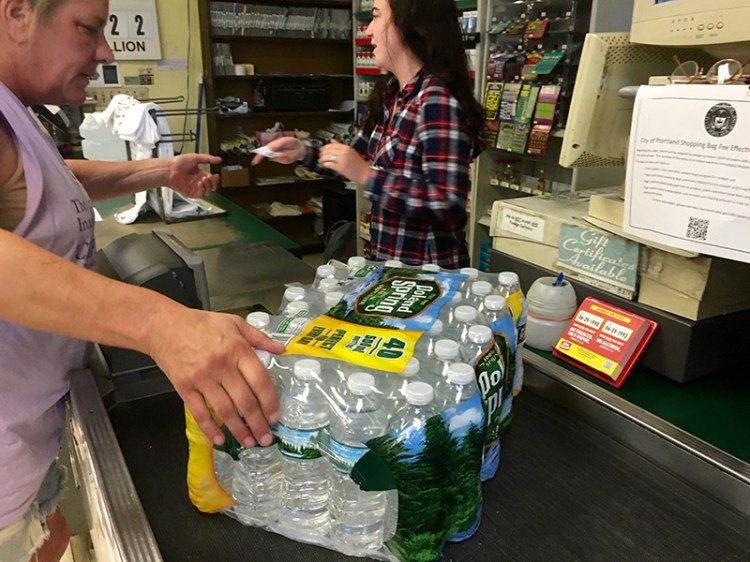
565, 491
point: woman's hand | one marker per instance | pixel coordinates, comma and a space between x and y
290, 150
185, 177
209, 359
344, 160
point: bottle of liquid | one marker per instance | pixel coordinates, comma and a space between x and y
456, 393
319, 297
408, 423
477, 292
425, 346
295, 317
459, 385
355, 263
473, 275
446, 352
489, 370
305, 483
464, 317
499, 318
393, 263
431, 267
291, 294
325, 271
260, 320
357, 517
448, 312
256, 486
495, 307
396, 393
509, 286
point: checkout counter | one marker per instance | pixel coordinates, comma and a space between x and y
586, 473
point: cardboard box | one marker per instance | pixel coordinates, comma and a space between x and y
553, 234
681, 349
667, 298
702, 277
235, 178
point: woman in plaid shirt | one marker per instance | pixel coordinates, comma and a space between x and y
420, 134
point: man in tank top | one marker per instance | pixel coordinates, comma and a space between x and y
52, 304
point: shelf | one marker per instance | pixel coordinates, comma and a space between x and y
486, 220
308, 41
273, 76
260, 114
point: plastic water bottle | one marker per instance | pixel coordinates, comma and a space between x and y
295, 317
256, 486
477, 292
305, 483
318, 298
393, 263
431, 267
499, 318
325, 271
425, 346
495, 307
332, 298
509, 286
459, 385
260, 320
446, 352
490, 373
355, 263
357, 517
275, 370
408, 423
464, 317
291, 294
473, 275
457, 392
448, 312
396, 393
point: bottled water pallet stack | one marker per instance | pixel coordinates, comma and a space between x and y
396, 386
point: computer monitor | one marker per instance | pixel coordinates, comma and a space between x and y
598, 125
718, 26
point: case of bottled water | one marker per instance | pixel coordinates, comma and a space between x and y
392, 388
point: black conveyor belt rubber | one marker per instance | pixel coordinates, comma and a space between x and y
565, 491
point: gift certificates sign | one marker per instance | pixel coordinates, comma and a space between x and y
132, 30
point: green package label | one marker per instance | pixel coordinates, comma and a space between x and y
490, 373
398, 297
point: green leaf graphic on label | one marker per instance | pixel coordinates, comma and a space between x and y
398, 297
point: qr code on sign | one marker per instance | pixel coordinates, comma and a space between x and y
697, 229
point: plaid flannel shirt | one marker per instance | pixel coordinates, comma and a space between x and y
419, 179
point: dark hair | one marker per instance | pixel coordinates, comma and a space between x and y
430, 29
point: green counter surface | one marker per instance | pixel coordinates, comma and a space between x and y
714, 408
235, 227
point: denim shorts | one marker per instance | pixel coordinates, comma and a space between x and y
20, 539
